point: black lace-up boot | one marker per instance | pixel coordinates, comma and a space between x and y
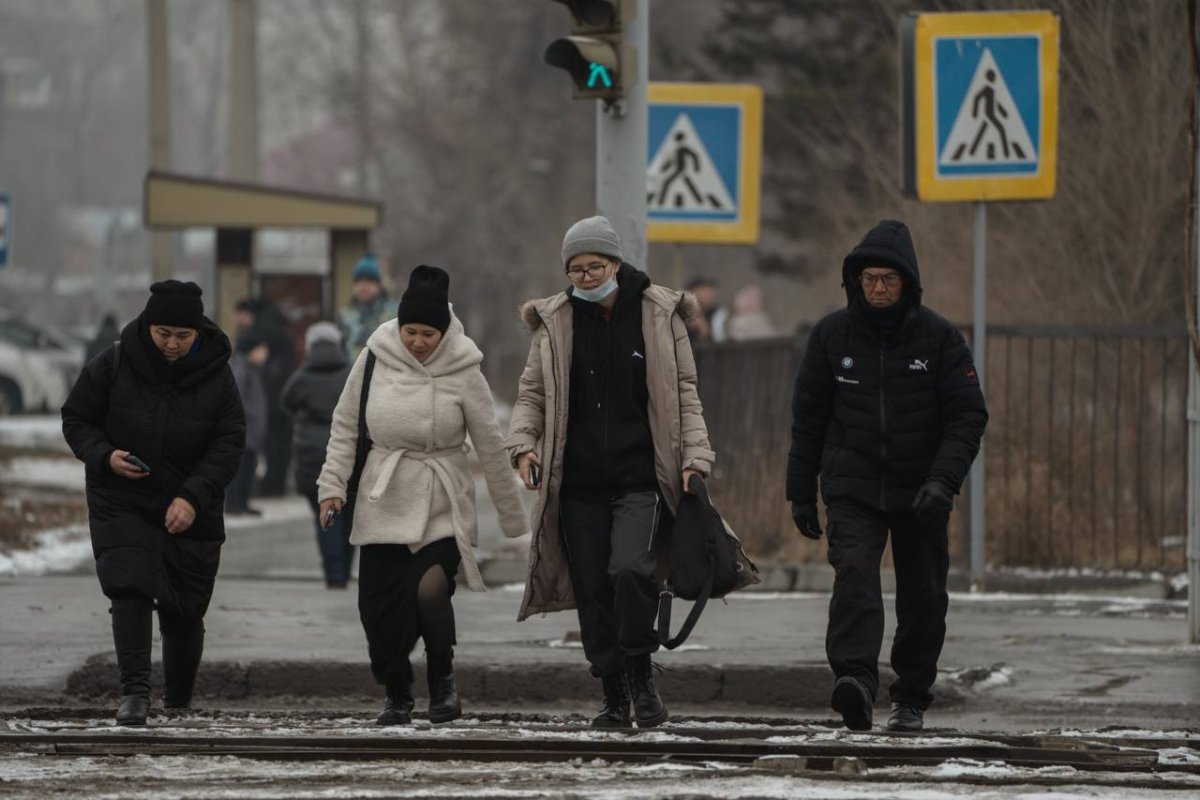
444, 704
398, 708
614, 711
906, 717
648, 706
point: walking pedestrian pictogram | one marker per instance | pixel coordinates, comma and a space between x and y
683, 176
702, 177
988, 128
979, 105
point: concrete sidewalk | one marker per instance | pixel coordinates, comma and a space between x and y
1048, 660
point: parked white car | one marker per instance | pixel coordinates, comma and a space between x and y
37, 367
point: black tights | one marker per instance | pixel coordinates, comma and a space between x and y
435, 614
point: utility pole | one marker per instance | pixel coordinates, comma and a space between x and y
158, 82
1192, 306
621, 144
362, 107
242, 151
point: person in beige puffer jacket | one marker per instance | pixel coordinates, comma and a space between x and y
608, 411
414, 517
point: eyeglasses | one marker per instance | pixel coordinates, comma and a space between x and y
891, 279
593, 271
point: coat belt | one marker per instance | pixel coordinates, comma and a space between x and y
392, 460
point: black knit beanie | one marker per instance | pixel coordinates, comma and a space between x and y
426, 301
176, 304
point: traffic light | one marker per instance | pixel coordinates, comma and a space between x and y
599, 63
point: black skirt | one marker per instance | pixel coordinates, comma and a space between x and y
388, 576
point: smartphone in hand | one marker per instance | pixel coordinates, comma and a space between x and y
329, 516
535, 474
137, 463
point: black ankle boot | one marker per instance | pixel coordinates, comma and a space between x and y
181, 654
133, 709
398, 708
614, 711
444, 704
648, 706
132, 618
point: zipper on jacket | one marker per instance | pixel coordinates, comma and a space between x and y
882, 433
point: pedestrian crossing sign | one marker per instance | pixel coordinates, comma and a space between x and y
979, 105
705, 151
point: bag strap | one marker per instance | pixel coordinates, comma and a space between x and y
362, 442
664, 616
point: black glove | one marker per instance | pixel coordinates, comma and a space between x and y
933, 498
806, 519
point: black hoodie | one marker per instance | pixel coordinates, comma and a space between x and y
609, 449
885, 398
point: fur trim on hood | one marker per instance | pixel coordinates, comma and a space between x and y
682, 303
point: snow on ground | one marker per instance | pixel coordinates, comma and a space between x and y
37, 776
49, 473
38, 432
55, 552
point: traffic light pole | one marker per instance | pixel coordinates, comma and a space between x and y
621, 145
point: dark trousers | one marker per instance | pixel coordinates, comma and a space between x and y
334, 544
857, 536
612, 559
237, 494
390, 600
278, 454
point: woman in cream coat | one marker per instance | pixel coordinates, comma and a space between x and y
414, 518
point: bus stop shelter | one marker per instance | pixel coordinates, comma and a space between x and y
237, 210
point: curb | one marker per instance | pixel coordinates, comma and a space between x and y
791, 686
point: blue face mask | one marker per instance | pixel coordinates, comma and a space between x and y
599, 293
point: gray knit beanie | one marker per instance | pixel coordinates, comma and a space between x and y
322, 332
591, 235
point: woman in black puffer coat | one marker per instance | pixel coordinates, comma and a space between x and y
164, 396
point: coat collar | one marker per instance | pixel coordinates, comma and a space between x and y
536, 313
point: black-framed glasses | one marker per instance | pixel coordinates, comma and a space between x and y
594, 270
891, 279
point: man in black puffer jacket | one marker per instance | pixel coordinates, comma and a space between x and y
165, 395
888, 412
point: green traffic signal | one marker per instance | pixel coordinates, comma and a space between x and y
599, 72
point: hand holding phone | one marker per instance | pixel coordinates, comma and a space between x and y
138, 464
535, 474
330, 514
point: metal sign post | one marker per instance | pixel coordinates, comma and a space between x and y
978, 486
6, 228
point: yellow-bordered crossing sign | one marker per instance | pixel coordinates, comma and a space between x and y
705, 156
979, 105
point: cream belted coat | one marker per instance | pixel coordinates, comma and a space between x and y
416, 486
539, 424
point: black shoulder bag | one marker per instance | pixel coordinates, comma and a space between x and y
704, 561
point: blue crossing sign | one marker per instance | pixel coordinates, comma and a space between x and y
980, 105
705, 152
6, 226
